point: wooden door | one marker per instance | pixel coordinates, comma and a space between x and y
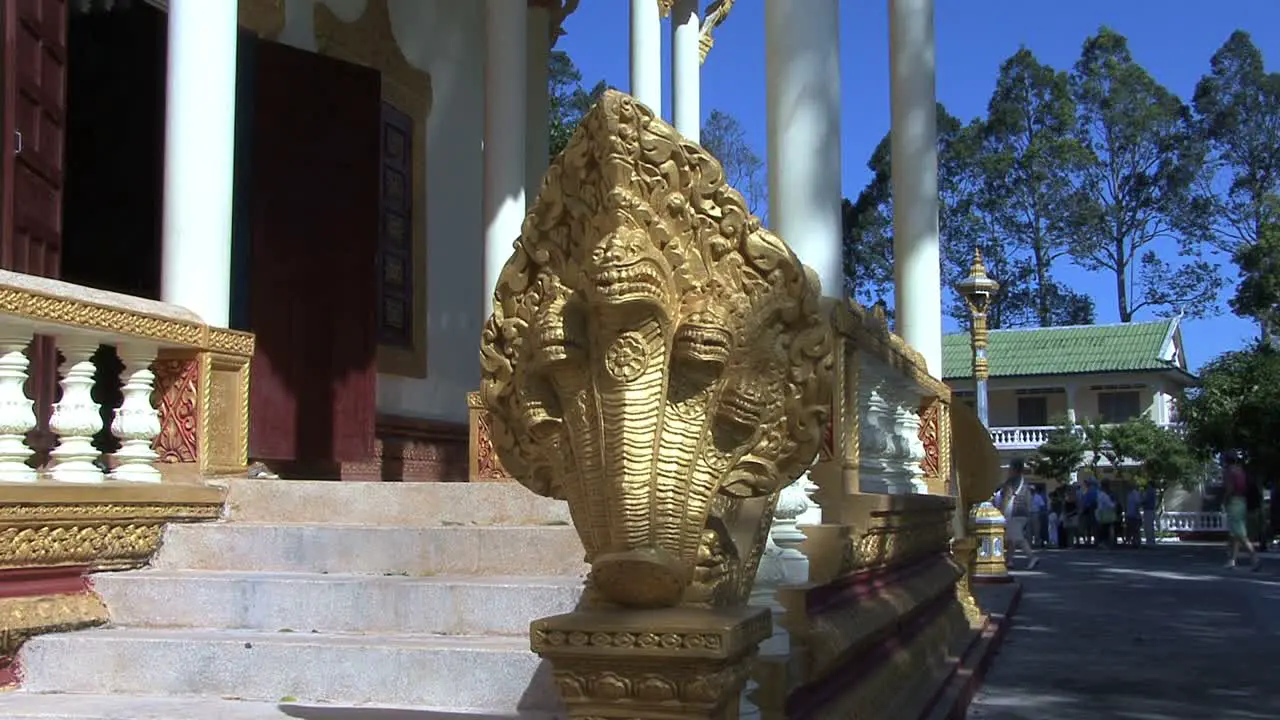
35, 34
313, 223
32, 129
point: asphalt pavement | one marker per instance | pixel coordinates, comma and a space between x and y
1159, 633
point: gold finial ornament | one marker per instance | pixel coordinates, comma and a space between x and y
652, 348
717, 13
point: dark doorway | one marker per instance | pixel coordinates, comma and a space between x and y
313, 214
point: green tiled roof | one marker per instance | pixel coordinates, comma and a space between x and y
1121, 347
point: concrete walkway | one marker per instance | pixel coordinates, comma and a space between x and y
1153, 634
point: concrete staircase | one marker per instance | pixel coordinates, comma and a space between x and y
325, 600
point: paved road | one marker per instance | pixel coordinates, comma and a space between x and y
1155, 634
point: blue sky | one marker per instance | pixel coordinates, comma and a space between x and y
1173, 39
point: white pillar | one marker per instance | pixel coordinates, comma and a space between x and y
505, 122
802, 51
646, 54
917, 272
686, 69
537, 140
199, 151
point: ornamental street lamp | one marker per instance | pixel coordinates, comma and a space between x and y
977, 290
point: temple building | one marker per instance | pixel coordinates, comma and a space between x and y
245, 241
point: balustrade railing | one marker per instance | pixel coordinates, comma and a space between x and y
1193, 522
208, 403
1030, 437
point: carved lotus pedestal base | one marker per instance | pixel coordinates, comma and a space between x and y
670, 664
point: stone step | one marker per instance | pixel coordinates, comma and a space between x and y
436, 672
401, 504
366, 550
24, 704
304, 602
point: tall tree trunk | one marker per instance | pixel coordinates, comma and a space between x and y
1122, 287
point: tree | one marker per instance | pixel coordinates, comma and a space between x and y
1141, 449
1236, 406
1237, 107
868, 249
1061, 454
1258, 293
724, 138
1028, 157
568, 101
1136, 187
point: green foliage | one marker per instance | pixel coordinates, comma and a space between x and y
722, 136
1258, 293
1155, 454
1028, 156
1237, 407
1137, 187
1237, 108
569, 100
1061, 454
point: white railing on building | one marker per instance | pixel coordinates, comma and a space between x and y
1030, 437
80, 320
1193, 522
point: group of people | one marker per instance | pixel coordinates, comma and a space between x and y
1083, 514
1086, 514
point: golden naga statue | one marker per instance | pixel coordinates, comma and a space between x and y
655, 358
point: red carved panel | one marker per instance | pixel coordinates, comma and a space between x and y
930, 415
177, 387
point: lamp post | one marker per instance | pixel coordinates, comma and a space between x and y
977, 290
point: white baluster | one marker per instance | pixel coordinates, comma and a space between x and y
16, 416
75, 417
789, 561
136, 422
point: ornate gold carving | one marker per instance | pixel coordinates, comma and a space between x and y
664, 7
869, 331
109, 526
717, 13
225, 400
484, 463
671, 663
964, 551
264, 17
65, 312
371, 41
24, 617
651, 347
560, 11
178, 392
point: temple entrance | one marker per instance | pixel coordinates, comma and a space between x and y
312, 215
306, 207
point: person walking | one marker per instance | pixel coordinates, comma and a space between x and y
1236, 487
1149, 505
1015, 500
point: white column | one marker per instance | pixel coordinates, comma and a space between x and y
917, 272
802, 51
199, 150
686, 69
537, 138
505, 122
646, 54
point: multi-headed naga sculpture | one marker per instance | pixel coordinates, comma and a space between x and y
657, 359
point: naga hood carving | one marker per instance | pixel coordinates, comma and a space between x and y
651, 348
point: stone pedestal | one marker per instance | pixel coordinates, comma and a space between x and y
674, 664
